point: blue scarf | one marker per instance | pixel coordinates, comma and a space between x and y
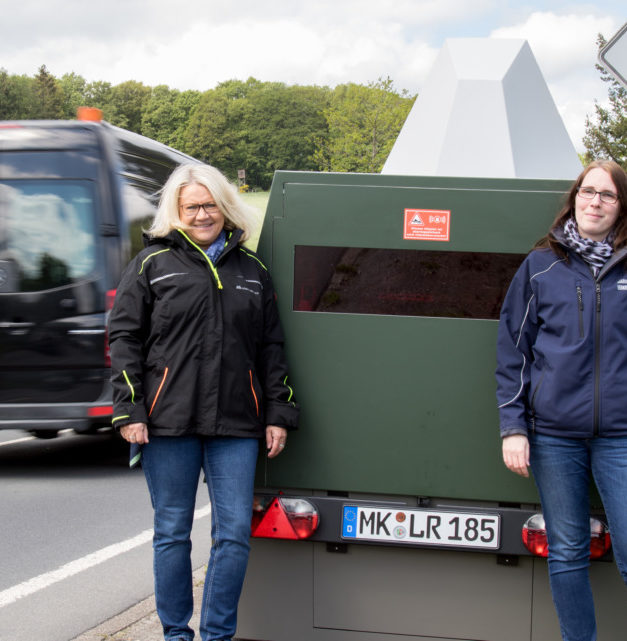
217, 247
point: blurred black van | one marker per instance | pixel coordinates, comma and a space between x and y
74, 197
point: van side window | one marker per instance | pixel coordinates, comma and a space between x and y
140, 201
46, 233
143, 177
401, 282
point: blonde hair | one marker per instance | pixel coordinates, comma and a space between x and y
237, 214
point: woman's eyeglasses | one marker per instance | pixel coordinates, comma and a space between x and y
588, 193
192, 210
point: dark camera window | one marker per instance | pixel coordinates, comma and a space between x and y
402, 282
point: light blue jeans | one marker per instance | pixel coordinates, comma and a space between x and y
172, 468
562, 468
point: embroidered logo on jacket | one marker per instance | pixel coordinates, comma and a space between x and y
622, 284
249, 284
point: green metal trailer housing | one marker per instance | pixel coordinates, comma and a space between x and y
389, 290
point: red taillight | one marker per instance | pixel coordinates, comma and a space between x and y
600, 541
283, 518
101, 410
109, 298
534, 537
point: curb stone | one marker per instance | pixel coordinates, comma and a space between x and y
140, 622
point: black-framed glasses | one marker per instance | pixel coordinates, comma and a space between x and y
607, 197
192, 210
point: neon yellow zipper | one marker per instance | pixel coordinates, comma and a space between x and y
214, 271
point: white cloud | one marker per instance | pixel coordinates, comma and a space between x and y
566, 50
561, 43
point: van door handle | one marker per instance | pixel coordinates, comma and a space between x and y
86, 331
5, 325
17, 329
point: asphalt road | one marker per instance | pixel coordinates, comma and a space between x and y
75, 534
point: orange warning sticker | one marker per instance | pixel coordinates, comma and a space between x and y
427, 224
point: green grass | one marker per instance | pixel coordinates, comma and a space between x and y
259, 201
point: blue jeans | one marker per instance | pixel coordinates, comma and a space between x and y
172, 468
562, 468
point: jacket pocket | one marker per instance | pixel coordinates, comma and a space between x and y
580, 308
254, 394
534, 399
159, 390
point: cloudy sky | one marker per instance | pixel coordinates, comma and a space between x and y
196, 44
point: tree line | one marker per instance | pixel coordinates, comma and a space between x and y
252, 125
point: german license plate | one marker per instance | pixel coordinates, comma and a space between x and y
422, 527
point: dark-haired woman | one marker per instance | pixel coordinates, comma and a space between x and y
562, 382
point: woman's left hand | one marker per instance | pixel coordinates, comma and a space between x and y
516, 454
275, 440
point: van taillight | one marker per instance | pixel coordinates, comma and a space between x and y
109, 298
100, 410
534, 537
283, 518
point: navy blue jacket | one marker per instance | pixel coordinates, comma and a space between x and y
562, 348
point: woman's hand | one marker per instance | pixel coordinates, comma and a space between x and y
135, 433
275, 440
516, 454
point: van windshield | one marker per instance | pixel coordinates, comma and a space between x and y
47, 230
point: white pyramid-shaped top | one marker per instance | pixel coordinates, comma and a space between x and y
484, 111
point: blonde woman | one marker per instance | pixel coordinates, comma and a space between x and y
199, 377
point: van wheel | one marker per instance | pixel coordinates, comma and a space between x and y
45, 433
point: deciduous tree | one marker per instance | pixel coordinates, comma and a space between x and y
363, 123
606, 133
125, 104
16, 97
74, 88
166, 113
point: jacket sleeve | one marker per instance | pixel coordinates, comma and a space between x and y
516, 336
128, 327
280, 405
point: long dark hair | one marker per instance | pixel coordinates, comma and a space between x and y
619, 178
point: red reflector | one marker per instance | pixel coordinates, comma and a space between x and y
103, 410
283, 518
600, 541
534, 537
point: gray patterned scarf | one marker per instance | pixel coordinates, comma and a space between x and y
595, 253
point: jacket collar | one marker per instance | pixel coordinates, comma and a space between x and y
176, 239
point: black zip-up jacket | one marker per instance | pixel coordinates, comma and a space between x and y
197, 348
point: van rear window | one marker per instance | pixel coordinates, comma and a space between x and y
402, 282
47, 233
